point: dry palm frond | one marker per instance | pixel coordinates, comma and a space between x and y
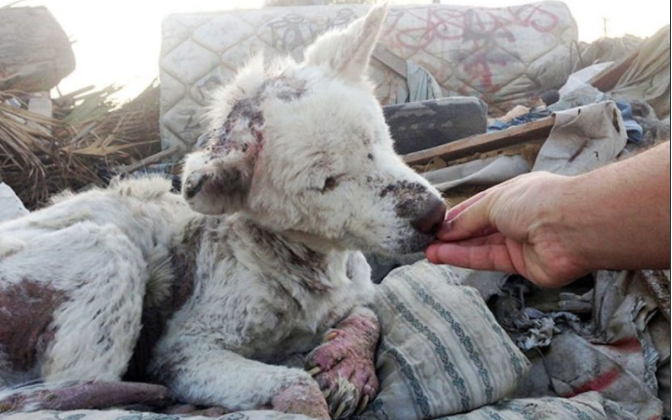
31, 158
123, 135
41, 156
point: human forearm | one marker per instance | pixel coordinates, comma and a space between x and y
618, 216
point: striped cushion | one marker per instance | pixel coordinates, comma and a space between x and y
588, 406
442, 351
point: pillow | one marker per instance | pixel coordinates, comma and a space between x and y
441, 351
588, 406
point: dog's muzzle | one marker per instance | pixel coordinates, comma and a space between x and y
431, 216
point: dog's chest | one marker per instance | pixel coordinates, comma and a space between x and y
304, 327
256, 317
248, 300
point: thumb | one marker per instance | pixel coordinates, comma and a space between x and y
474, 221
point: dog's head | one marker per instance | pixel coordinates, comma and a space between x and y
304, 147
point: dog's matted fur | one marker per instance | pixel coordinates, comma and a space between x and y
258, 261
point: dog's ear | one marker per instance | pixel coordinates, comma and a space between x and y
346, 53
217, 180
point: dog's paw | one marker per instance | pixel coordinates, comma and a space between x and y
302, 398
344, 365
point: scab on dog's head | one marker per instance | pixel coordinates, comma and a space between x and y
303, 147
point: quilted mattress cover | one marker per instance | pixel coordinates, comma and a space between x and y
501, 55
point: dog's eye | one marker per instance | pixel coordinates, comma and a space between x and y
330, 183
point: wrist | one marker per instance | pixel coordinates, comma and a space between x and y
562, 224
576, 220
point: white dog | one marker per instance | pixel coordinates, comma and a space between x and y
257, 262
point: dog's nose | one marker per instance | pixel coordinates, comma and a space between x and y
432, 216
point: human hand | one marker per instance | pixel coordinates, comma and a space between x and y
514, 227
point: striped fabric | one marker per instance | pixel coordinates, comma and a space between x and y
441, 351
134, 415
588, 406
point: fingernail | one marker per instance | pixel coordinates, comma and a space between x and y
452, 213
430, 253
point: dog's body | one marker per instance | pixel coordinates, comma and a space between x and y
222, 283
298, 174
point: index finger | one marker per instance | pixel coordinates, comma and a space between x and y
471, 219
453, 212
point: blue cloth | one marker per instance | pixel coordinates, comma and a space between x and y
523, 119
634, 130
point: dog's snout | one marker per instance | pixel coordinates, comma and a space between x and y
431, 217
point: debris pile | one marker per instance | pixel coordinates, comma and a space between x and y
638, 85
81, 144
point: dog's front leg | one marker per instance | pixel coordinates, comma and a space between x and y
204, 374
344, 365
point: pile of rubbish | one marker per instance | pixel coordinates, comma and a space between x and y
608, 332
511, 144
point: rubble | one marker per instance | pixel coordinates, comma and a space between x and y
606, 50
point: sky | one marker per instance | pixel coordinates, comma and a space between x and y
119, 41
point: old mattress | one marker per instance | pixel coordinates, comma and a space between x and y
502, 55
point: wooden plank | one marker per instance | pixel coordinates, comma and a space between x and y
63, 99
149, 160
484, 142
391, 60
395, 63
607, 79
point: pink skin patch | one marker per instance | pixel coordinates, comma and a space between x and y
192, 410
303, 399
89, 395
344, 365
